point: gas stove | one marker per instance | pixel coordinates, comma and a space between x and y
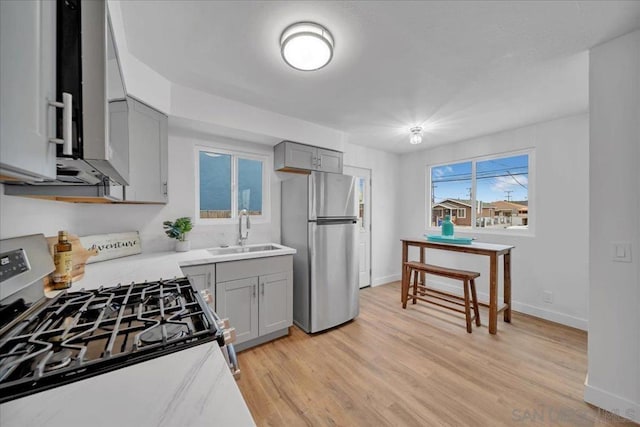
46, 343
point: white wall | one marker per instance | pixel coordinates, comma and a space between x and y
555, 258
203, 107
385, 209
614, 323
141, 81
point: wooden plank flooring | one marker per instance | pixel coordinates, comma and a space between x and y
419, 367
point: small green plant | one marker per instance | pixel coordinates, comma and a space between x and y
179, 228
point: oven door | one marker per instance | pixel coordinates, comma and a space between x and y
228, 333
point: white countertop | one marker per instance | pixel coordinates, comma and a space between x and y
191, 387
159, 265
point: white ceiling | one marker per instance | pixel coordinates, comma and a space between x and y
464, 68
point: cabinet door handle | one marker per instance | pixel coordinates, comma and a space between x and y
165, 188
262, 288
319, 162
254, 290
67, 123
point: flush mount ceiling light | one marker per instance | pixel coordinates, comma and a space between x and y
416, 135
306, 46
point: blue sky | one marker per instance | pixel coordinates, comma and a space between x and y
215, 182
496, 179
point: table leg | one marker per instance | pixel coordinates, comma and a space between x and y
405, 281
493, 294
422, 275
507, 286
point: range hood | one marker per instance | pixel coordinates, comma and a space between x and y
103, 192
92, 154
88, 72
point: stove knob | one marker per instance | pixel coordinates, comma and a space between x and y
223, 323
229, 335
206, 296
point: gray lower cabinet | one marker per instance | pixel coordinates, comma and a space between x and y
237, 300
201, 276
275, 309
257, 297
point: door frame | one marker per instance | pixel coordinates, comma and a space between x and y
354, 171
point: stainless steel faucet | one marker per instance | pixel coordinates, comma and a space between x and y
243, 238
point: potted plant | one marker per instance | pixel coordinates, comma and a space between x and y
178, 230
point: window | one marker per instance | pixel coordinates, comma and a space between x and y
229, 183
494, 190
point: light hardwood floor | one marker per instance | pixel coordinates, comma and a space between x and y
419, 367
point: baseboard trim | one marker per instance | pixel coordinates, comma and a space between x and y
385, 279
618, 406
553, 316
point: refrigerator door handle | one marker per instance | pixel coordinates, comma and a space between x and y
331, 221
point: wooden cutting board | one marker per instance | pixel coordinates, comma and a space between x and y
80, 255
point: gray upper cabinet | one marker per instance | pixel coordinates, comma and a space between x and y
148, 155
294, 157
329, 160
27, 84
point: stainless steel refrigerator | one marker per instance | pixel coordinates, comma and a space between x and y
319, 219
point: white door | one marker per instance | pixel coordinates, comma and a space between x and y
363, 192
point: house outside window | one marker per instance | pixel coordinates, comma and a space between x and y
490, 193
229, 182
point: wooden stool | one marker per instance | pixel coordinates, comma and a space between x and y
422, 292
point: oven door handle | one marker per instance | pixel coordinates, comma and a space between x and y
233, 361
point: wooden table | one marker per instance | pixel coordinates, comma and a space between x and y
493, 251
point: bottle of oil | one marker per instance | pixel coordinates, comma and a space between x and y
62, 258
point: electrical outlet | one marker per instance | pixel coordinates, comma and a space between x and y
621, 252
547, 296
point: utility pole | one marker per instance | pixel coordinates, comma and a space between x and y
433, 193
469, 193
508, 194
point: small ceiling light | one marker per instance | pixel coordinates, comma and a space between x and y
306, 46
416, 135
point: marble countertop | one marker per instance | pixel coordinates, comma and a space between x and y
159, 265
191, 387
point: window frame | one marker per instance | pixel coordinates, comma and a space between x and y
235, 155
530, 231
464, 214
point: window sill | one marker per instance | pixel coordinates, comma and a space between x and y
229, 221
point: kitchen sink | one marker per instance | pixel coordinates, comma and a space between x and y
242, 249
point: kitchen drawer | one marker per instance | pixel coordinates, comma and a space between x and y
233, 270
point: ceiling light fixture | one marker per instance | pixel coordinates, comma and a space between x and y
416, 135
306, 46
